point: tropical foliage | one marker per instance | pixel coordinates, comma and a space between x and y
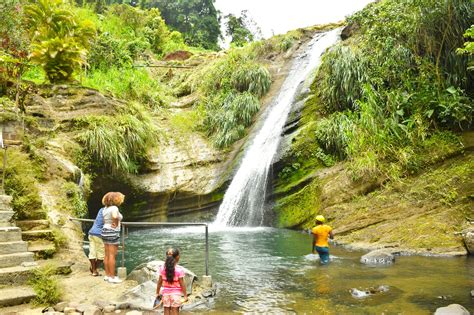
59, 41
396, 85
197, 20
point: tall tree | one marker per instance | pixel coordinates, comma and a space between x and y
197, 20
238, 28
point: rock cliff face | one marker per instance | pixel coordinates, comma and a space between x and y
421, 214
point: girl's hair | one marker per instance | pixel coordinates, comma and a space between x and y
113, 199
170, 262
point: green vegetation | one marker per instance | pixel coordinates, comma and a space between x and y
397, 85
59, 40
46, 286
389, 101
118, 143
21, 182
75, 200
231, 87
197, 20
237, 27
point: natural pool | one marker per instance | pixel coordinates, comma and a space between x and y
268, 270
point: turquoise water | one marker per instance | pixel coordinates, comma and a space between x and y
267, 270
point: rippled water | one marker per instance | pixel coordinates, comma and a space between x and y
270, 270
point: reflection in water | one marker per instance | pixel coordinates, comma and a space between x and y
271, 271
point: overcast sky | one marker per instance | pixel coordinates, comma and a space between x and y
280, 16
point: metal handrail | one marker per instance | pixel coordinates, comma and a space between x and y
149, 224
4, 169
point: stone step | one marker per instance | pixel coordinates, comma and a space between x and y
5, 207
17, 275
13, 247
10, 234
5, 215
42, 249
37, 235
28, 225
16, 296
5, 199
5, 224
16, 259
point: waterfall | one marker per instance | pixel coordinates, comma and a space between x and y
244, 200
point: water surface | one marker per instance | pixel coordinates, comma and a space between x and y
271, 270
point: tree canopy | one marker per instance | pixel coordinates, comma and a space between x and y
197, 20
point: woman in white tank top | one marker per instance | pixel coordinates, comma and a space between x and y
111, 232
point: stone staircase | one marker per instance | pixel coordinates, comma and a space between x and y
39, 236
16, 262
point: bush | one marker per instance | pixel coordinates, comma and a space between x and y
75, 200
21, 183
252, 78
118, 143
46, 286
228, 123
60, 41
231, 87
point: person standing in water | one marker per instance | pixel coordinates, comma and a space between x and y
321, 233
172, 280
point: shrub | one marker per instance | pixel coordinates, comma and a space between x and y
46, 286
21, 183
60, 41
253, 78
117, 143
75, 200
228, 123
231, 87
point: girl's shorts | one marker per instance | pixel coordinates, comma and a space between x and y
172, 300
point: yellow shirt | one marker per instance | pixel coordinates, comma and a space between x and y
321, 232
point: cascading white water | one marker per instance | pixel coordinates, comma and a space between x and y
243, 203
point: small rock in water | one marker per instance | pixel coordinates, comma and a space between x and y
452, 309
472, 293
358, 294
444, 297
378, 257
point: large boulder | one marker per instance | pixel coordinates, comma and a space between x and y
468, 236
452, 309
150, 271
378, 257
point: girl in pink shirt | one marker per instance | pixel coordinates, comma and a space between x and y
172, 280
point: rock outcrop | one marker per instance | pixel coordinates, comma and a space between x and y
468, 237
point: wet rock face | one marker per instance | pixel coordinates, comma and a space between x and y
468, 236
452, 309
378, 257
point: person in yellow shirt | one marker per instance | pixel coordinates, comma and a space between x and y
321, 232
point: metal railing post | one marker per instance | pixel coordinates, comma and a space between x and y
123, 245
4, 169
207, 249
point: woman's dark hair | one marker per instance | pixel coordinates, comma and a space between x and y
170, 262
